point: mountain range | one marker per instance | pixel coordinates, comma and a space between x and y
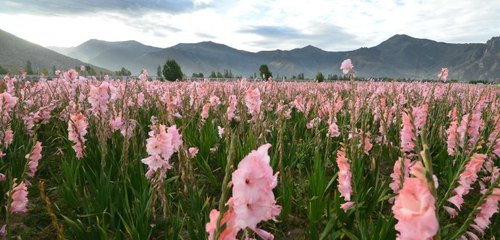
400, 56
16, 52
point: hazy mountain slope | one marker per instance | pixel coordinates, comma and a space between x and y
15, 52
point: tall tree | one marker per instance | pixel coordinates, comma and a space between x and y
3, 70
320, 77
159, 73
29, 69
264, 72
172, 71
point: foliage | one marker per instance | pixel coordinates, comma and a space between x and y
172, 71
264, 72
320, 77
123, 72
107, 195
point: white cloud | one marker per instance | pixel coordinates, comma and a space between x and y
331, 25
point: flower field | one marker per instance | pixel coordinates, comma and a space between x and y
139, 159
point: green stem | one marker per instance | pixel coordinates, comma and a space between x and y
225, 187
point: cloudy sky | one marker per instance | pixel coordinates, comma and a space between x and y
250, 24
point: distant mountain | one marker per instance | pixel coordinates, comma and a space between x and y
112, 55
15, 52
400, 56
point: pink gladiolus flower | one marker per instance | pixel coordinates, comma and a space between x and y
233, 101
415, 211
344, 175
220, 131
467, 178
99, 97
2, 177
19, 198
144, 75
253, 183
71, 74
401, 171
253, 102
333, 130
407, 134
192, 152
346, 66
451, 211
420, 116
443, 74
488, 208
7, 103
77, 129
346, 206
214, 101
205, 111
161, 145
230, 231
34, 157
9, 137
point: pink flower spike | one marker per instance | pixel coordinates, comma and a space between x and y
346, 206
34, 157
192, 152
414, 209
443, 74
346, 66
19, 198
344, 175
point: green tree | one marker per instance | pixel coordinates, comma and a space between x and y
54, 70
301, 76
159, 73
219, 75
213, 75
3, 70
172, 71
320, 77
29, 69
264, 72
123, 72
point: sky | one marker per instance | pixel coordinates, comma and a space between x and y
251, 25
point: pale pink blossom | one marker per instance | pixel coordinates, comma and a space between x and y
71, 74
420, 116
205, 111
9, 137
487, 210
220, 131
233, 101
19, 196
98, 98
34, 157
443, 74
344, 175
214, 101
193, 151
407, 134
347, 205
401, 171
415, 211
346, 66
253, 182
144, 75
253, 102
77, 129
333, 130
161, 145
467, 178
